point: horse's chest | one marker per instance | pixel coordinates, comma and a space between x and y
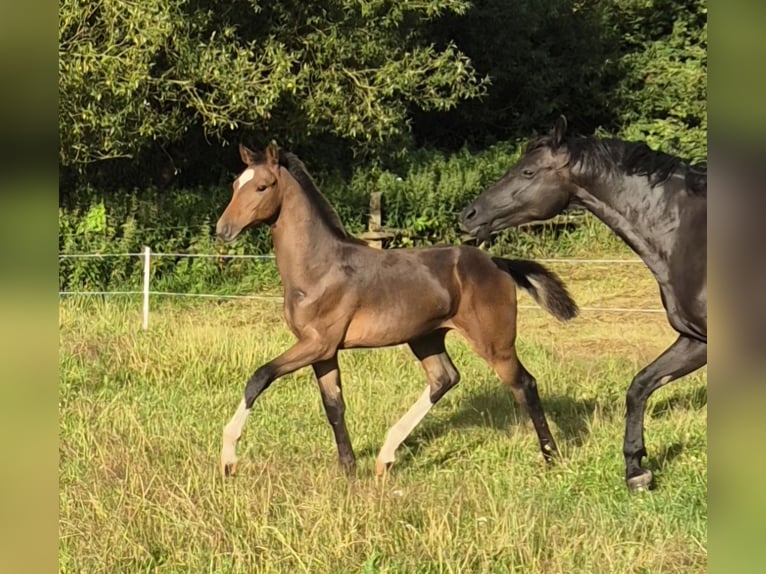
686, 312
306, 308
294, 300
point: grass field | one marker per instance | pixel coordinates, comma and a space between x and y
141, 415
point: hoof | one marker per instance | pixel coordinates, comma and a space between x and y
551, 455
228, 462
228, 469
349, 469
641, 481
228, 458
381, 467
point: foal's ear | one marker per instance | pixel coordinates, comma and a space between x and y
248, 156
559, 130
272, 154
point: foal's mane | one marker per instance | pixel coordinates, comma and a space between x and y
615, 156
328, 214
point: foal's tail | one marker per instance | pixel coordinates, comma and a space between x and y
543, 285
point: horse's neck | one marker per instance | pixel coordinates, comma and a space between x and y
303, 240
643, 216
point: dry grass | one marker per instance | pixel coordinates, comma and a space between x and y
142, 412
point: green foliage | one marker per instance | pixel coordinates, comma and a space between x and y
423, 198
543, 59
169, 222
633, 67
662, 96
132, 74
154, 80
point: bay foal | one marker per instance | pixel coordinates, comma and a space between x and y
341, 294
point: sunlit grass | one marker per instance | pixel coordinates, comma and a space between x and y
141, 415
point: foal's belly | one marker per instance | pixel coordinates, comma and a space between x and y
407, 319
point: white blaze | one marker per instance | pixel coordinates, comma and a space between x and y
246, 176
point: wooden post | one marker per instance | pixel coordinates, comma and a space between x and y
376, 219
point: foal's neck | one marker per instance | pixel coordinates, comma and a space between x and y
303, 238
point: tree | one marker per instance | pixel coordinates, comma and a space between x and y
543, 58
634, 68
662, 94
134, 73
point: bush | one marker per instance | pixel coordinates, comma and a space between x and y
424, 198
662, 95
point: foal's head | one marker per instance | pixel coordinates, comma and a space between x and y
537, 187
257, 193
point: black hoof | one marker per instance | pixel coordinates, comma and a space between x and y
642, 481
348, 467
551, 454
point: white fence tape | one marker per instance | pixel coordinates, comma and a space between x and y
148, 255
573, 260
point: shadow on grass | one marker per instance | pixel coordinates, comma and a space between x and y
690, 399
663, 459
495, 408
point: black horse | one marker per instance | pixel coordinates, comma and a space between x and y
656, 203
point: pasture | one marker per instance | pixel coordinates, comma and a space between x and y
141, 415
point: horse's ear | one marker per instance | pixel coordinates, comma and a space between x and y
559, 131
272, 154
248, 156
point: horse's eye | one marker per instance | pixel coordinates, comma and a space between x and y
526, 172
261, 188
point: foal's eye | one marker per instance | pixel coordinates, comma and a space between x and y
261, 188
526, 172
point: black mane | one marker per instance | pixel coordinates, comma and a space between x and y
298, 170
614, 156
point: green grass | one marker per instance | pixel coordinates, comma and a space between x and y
141, 415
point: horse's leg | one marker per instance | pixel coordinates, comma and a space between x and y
328, 375
441, 375
487, 320
524, 388
684, 356
303, 353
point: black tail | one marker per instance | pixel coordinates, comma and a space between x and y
543, 285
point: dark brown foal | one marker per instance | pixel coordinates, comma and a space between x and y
341, 294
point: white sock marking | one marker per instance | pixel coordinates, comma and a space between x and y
231, 434
402, 429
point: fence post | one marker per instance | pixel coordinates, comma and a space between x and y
147, 269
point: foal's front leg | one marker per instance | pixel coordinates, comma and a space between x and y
328, 376
303, 353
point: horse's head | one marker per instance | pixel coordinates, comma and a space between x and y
537, 187
257, 194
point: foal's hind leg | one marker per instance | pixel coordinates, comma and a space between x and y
524, 389
441, 375
488, 322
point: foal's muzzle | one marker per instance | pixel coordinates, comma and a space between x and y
224, 231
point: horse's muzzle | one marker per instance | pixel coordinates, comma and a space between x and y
468, 219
